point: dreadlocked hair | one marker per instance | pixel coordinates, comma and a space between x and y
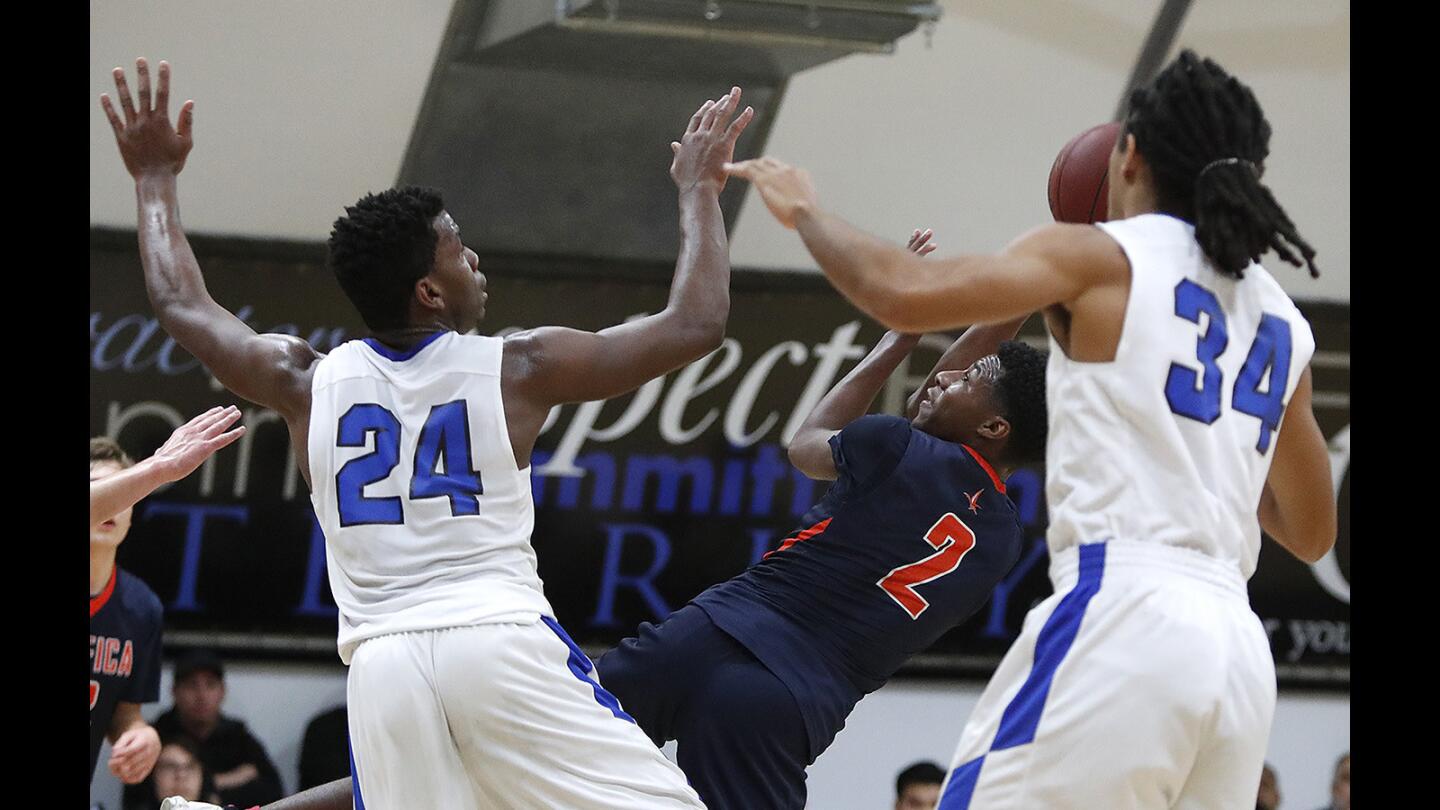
381, 247
1022, 398
1206, 138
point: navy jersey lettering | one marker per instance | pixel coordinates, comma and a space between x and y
125, 623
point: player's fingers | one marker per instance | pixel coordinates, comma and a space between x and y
122, 91
204, 416
744, 169
109, 108
675, 147
220, 422
187, 118
738, 125
162, 89
202, 423
727, 105
142, 100
926, 250
223, 440
707, 122
699, 114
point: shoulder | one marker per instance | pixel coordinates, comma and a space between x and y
876, 428
137, 597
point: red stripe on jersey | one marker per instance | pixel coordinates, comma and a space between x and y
801, 537
98, 601
999, 485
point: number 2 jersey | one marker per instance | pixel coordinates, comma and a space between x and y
427, 520
907, 543
1171, 442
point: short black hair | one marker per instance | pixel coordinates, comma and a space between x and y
381, 247
1205, 138
1022, 401
920, 773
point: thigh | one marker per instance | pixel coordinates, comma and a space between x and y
534, 728
1113, 711
402, 752
742, 739
1233, 752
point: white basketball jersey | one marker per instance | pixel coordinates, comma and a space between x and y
1171, 441
427, 521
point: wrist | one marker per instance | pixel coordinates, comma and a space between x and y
699, 191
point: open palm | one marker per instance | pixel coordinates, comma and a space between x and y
148, 142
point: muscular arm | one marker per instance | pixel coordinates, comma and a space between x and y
553, 365
1053, 264
270, 370
846, 402
569, 365
977, 342
335, 795
1297, 506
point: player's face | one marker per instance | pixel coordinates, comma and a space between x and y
177, 774
199, 696
960, 402
112, 531
919, 797
457, 271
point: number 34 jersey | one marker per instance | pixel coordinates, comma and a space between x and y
427, 520
1171, 442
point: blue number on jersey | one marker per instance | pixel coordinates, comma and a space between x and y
446, 439
351, 480
1270, 351
1203, 403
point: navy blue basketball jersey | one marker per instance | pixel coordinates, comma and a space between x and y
907, 543
125, 621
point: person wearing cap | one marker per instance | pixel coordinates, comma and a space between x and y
244, 774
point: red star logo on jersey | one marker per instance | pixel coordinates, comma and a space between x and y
975, 500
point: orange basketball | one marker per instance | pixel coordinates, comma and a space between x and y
1079, 178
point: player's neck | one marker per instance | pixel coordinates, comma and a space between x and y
406, 337
102, 564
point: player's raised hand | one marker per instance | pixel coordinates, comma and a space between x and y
920, 242
785, 189
196, 440
134, 754
147, 140
709, 143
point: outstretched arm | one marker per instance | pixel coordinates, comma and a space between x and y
1297, 506
1053, 264
270, 370
553, 365
186, 449
329, 796
851, 398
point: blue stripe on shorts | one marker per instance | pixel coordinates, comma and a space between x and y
580, 665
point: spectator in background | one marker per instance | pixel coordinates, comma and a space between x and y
1340, 785
325, 752
918, 787
1269, 796
179, 772
243, 773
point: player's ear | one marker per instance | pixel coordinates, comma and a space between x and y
996, 427
428, 293
1131, 160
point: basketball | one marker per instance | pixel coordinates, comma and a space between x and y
1079, 179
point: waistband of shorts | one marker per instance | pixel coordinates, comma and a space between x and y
1149, 562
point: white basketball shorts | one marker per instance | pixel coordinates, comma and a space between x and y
497, 716
1145, 681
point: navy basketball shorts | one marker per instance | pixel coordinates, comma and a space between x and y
740, 737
